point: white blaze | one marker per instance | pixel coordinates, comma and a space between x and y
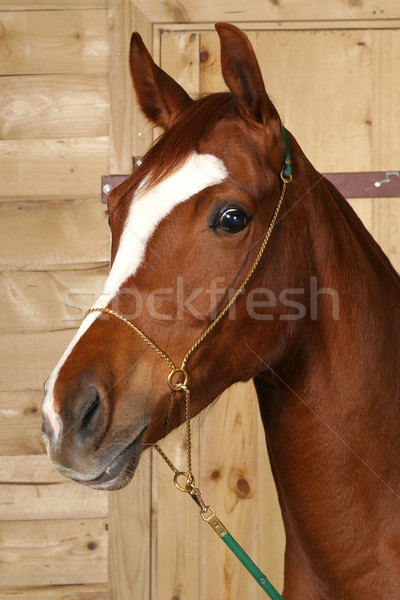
148, 208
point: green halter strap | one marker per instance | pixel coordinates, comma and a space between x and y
287, 163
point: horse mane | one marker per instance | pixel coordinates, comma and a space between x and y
175, 146
360, 231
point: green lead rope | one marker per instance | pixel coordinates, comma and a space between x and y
208, 515
252, 568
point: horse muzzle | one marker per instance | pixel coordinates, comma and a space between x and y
83, 447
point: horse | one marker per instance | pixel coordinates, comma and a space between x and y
186, 228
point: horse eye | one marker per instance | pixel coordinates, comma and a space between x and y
232, 220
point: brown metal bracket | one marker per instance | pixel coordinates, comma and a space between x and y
371, 184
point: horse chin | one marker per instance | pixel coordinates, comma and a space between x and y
120, 471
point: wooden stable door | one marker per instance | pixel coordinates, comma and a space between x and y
336, 90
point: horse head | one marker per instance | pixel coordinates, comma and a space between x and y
186, 227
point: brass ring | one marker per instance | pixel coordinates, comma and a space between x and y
177, 386
189, 481
286, 179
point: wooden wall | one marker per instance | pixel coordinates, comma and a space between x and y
54, 246
67, 116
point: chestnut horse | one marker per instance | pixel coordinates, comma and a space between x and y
186, 227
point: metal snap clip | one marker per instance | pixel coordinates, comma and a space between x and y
189, 485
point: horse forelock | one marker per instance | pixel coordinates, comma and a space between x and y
195, 125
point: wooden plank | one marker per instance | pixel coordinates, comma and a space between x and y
48, 300
336, 135
28, 358
176, 523
20, 422
59, 592
39, 42
281, 25
30, 488
129, 536
385, 99
51, 5
272, 542
178, 11
121, 92
180, 59
211, 79
53, 235
142, 129
130, 133
61, 552
234, 481
54, 106
30, 470
40, 169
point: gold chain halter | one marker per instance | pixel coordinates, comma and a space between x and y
182, 386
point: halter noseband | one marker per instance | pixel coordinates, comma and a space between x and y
184, 480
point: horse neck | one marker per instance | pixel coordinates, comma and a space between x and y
330, 406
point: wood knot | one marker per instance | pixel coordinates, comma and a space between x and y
239, 484
243, 487
215, 474
204, 56
177, 11
178, 592
30, 410
91, 546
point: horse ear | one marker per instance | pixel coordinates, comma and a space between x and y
160, 97
242, 74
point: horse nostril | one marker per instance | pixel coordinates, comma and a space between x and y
91, 417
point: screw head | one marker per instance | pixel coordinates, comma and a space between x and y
107, 188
